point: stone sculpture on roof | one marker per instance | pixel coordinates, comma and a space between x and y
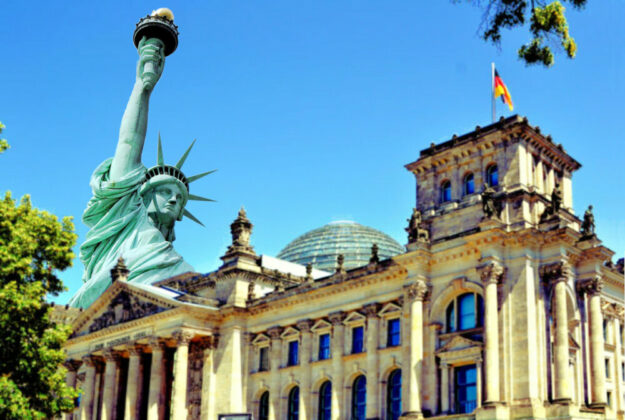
134, 209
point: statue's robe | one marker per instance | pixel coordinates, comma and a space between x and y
120, 227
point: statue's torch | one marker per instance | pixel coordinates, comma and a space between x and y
158, 28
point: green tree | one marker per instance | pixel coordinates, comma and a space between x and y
3, 143
548, 26
34, 245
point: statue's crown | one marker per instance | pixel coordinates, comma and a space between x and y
162, 173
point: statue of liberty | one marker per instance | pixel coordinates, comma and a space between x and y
133, 209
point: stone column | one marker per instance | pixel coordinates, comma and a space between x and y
618, 356
414, 293
86, 400
444, 388
109, 394
431, 376
305, 407
156, 391
491, 274
373, 382
181, 363
592, 288
274, 373
338, 348
72, 367
208, 378
134, 384
557, 274
479, 382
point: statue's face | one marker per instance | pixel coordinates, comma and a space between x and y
167, 201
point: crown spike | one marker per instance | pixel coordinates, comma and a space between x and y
184, 157
192, 217
159, 157
198, 176
198, 198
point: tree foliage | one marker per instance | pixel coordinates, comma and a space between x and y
548, 26
34, 245
3, 143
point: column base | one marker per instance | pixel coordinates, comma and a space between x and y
410, 415
492, 410
600, 405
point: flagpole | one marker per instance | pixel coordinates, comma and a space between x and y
492, 88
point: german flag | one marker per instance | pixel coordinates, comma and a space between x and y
502, 90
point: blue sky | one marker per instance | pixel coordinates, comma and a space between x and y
308, 109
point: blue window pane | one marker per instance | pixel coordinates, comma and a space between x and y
358, 339
492, 175
325, 401
451, 318
393, 395
293, 407
445, 191
263, 406
466, 311
324, 346
394, 333
469, 184
359, 398
465, 388
263, 362
293, 353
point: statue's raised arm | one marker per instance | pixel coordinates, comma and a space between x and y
135, 120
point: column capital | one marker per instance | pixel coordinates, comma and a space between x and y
156, 343
591, 287
556, 272
491, 272
89, 361
371, 309
418, 290
208, 342
72, 365
274, 332
182, 336
111, 355
135, 350
304, 325
336, 318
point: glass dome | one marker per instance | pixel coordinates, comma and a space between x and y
321, 246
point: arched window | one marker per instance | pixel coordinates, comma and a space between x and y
468, 184
359, 398
263, 406
492, 175
393, 395
464, 312
293, 407
445, 191
325, 401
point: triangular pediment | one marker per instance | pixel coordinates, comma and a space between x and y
121, 303
459, 343
390, 309
321, 324
261, 339
290, 332
355, 317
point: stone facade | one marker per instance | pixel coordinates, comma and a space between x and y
509, 316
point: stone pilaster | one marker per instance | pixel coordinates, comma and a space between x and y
414, 295
592, 288
373, 381
618, 380
134, 384
444, 388
156, 392
86, 404
274, 373
72, 367
557, 276
109, 393
491, 275
338, 347
305, 401
181, 364
431, 376
208, 378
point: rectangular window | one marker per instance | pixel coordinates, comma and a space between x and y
607, 368
623, 371
465, 381
324, 346
609, 395
358, 344
293, 353
263, 359
393, 337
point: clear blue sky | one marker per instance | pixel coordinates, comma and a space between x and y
308, 109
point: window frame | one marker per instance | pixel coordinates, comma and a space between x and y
391, 401
292, 405
293, 353
457, 387
359, 398
492, 167
445, 191
324, 407
263, 362
452, 313
323, 352
465, 184
355, 340
390, 334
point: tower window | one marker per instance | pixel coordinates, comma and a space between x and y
468, 184
492, 175
445, 191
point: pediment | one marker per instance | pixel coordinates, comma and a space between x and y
459, 343
355, 317
261, 339
389, 309
119, 304
290, 332
321, 324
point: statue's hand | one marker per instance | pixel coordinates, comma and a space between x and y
151, 62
